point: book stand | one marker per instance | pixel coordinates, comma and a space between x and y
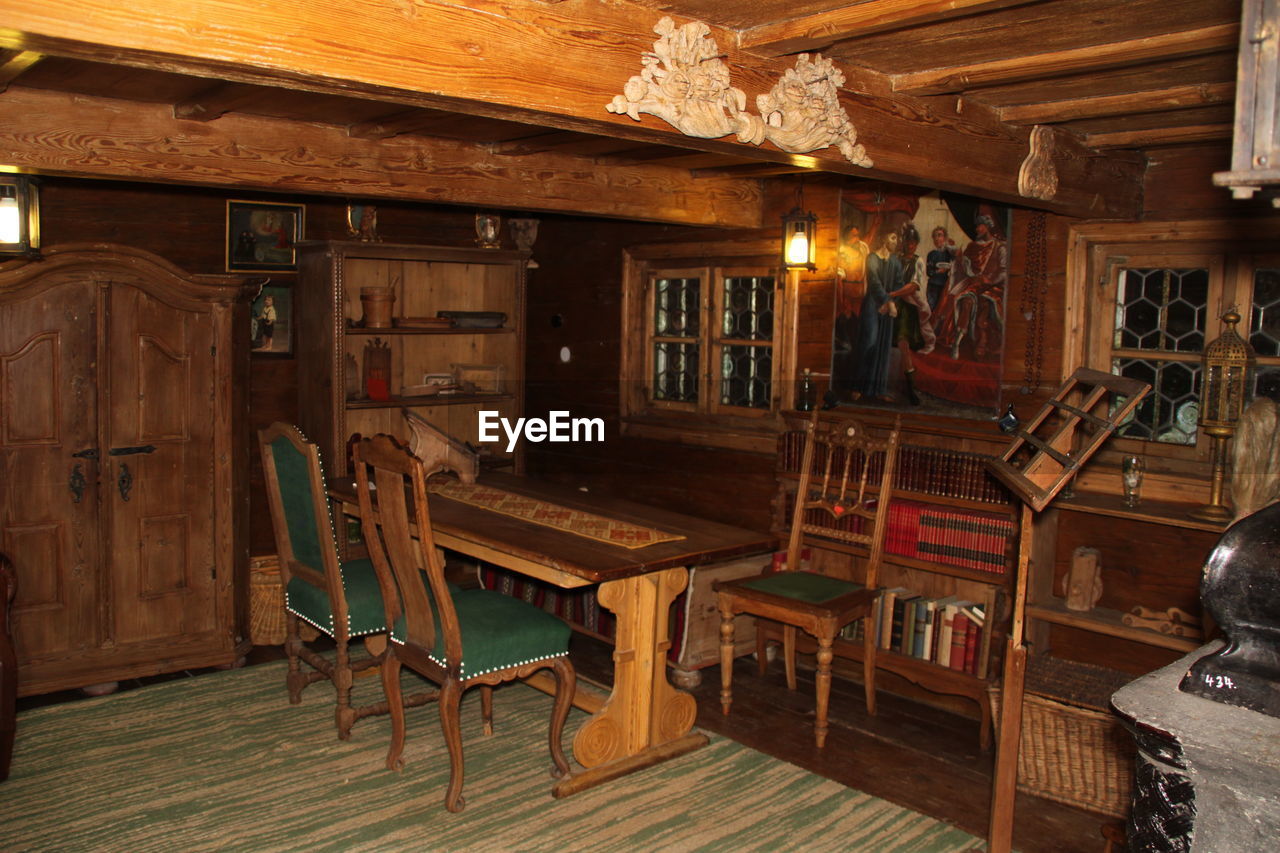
1036, 466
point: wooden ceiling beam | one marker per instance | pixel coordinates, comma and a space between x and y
56, 133
216, 101
14, 62
1159, 136
1034, 66
749, 170
391, 124
823, 29
553, 66
539, 143
1152, 101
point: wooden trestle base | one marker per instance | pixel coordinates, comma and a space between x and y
589, 778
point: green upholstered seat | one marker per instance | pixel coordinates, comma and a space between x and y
498, 632
365, 614
809, 587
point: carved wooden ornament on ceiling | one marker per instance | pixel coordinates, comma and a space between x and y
685, 83
1038, 177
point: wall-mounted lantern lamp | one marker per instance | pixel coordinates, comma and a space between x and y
799, 236
19, 215
799, 240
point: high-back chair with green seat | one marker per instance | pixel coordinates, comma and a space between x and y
339, 597
843, 494
457, 638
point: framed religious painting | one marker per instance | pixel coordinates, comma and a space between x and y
263, 236
921, 290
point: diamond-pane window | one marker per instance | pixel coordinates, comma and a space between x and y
1161, 309
675, 371
676, 307
1264, 318
748, 308
746, 376
1266, 383
1170, 410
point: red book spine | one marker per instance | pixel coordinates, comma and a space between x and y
973, 639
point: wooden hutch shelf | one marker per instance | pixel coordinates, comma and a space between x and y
424, 280
1104, 620
1157, 512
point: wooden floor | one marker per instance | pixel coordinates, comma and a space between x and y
909, 753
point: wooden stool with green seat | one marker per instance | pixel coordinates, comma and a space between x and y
457, 638
852, 483
339, 597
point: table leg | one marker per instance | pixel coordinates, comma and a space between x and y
645, 719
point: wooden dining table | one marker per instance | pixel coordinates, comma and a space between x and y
645, 719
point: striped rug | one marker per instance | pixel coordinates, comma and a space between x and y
222, 762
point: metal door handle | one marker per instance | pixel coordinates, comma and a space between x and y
90, 453
76, 484
130, 451
124, 482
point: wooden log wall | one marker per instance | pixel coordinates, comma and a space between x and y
187, 226
574, 302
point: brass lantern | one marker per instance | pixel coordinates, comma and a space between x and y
19, 215
1225, 378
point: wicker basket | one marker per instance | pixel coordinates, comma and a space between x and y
266, 604
1073, 749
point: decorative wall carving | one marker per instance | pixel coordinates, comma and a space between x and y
802, 111
1038, 177
685, 83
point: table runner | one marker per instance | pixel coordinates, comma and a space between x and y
598, 527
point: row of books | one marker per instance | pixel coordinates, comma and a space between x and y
927, 470
948, 631
947, 535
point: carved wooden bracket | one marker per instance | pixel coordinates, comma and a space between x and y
685, 83
1038, 177
802, 111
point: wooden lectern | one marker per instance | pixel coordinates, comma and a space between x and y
1039, 462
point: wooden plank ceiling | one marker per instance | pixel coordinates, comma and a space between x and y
502, 104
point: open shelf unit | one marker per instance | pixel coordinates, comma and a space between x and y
333, 341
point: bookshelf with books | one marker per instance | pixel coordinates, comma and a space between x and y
948, 566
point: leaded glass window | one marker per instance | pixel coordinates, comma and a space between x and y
677, 311
1170, 410
746, 375
1264, 316
746, 351
748, 308
1162, 309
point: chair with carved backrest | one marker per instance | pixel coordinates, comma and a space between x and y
339, 597
843, 494
457, 638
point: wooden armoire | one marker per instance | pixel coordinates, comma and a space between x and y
123, 464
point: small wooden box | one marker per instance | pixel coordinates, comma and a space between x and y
700, 645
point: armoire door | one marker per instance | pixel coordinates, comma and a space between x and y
49, 467
157, 399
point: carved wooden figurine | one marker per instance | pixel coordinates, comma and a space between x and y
1084, 581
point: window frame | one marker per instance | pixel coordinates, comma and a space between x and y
708, 421
1230, 249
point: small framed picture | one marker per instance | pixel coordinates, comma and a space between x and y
479, 378
263, 236
272, 317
